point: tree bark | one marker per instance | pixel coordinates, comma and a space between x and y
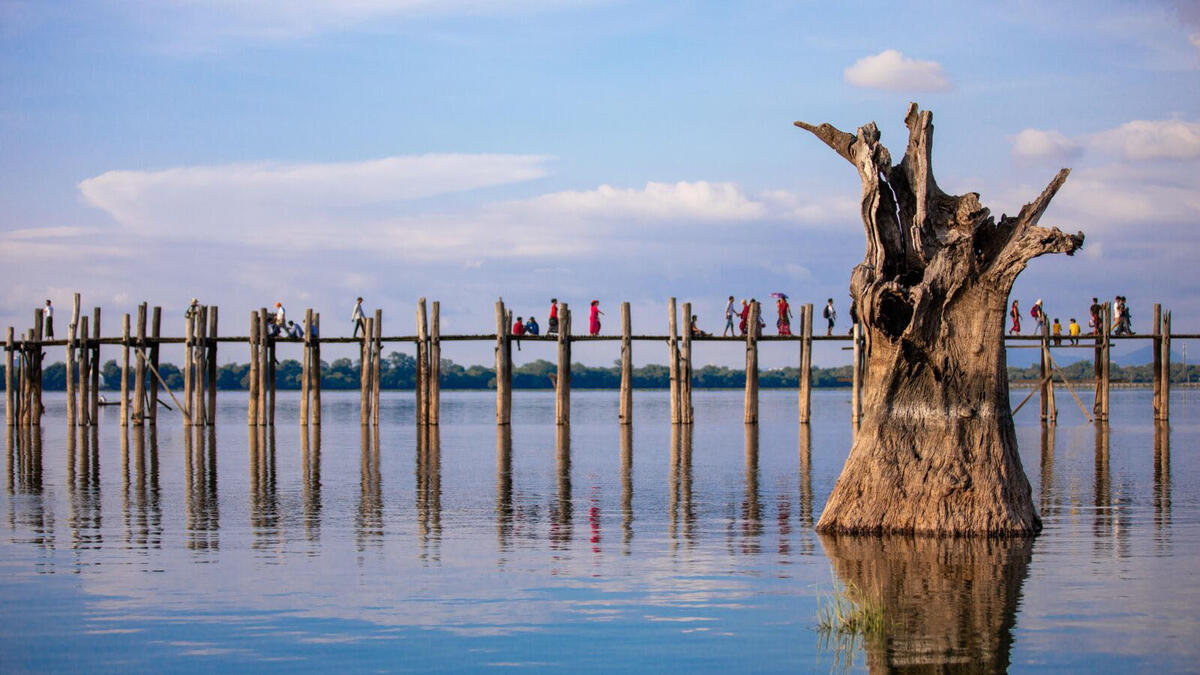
936, 452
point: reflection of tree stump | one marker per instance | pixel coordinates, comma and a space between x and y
936, 452
950, 603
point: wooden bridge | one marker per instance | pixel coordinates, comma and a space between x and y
141, 338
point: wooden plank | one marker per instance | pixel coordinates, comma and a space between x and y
625, 409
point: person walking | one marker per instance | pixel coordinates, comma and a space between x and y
1073, 331
1094, 316
830, 315
1015, 314
594, 318
1038, 315
552, 322
729, 314
1124, 317
358, 318
48, 316
745, 317
784, 322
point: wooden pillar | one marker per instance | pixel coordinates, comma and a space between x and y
673, 360
434, 403
252, 374
562, 385
306, 365
271, 362
1156, 342
685, 367
96, 366
856, 367
806, 330
199, 341
85, 370
376, 357
210, 360
751, 402
316, 372
155, 336
364, 375
139, 371
421, 385
625, 412
1043, 371
264, 352
504, 365
1166, 367
72, 366
189, 332
1101, 366
125, 371
10, 399
36, 408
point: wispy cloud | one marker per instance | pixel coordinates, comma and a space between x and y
1039, 144
1152, 139
893, 71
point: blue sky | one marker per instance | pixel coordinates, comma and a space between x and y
309, 151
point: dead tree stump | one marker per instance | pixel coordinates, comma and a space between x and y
936, 452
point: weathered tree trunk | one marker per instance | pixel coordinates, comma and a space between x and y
936, 452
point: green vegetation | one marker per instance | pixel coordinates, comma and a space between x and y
398, 371
844, 623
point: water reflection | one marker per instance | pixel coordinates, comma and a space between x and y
1162, 488
683, 517
200, 477
264, 498
429, 492
310, 452
504, 490
28, 512
83, 484
140, 499
751, 509
1048, 502
807, 543
626, 488
561, 511
368, 521
949, 603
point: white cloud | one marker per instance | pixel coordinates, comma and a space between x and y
893, 71
694, 201
1152, 139
1039, 144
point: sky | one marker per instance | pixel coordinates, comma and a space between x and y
308, 151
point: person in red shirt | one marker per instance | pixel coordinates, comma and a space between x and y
745, 314
518, 329
552, 322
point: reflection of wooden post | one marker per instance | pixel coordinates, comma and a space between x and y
421, 386
155, 335
673, 359
806, 326
625, 412
305, 367
139, 371
434, 405
252, 374
562, 386
125, 371
856, 374
1166, 366
316, 372
10, 399
751, 402
685, 367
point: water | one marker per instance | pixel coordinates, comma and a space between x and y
589, 550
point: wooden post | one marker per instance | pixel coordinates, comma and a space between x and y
125, 371
72, 366
200, 339
434, 403
85, 370
421, 385
856, 374
1043, 370
316, 372
264, 338
751, 401
252, 375
96, 366
562, 384
673, 359
504, 365
36, 408
1166, 367
211, 361
1156, 341
271, 361
306, 364
10, 400
685, 367
806, 331
364, 375
376, 357
1101, 368
189, 330
625, 412
139, 371
155, 336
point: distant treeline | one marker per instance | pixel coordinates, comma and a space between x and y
398, 371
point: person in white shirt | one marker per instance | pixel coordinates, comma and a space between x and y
280, 315
48, 314
358, 318
729, 314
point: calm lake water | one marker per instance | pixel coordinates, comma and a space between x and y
585, 550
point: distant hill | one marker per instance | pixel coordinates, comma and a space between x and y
1142, 356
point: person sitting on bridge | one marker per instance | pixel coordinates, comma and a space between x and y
531, 327
294, 331
1073, 330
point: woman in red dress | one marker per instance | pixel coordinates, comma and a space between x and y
1016, 318
594, 319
